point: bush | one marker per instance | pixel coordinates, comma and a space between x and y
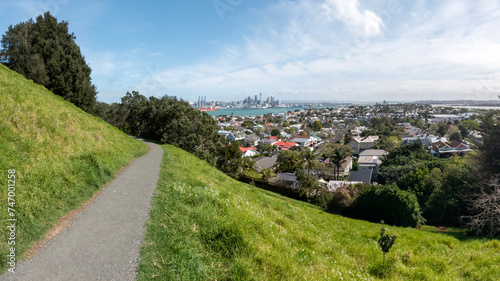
388, 203
343, 197
448, 202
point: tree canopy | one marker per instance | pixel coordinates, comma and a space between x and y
167, 120
45, 52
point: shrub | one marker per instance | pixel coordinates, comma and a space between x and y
388, 203
343, 197
386, 241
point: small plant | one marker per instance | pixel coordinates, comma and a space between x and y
385, 241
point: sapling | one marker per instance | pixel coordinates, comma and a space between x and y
385, 241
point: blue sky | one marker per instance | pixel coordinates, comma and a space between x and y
335, 50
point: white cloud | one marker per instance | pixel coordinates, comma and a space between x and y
445, 50
101, 63
365, 22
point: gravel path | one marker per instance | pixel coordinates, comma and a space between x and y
103, 241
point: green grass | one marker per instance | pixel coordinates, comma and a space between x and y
207, 226
61, 155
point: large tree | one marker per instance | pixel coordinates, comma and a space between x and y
488, 152
484, 209
45, 52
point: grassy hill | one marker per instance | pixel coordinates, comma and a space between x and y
207, 226
61, 155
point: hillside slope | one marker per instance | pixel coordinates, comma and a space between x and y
61, 156
206, 226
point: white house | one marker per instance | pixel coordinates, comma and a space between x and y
303, 141
371, 159
359, 144
248, 151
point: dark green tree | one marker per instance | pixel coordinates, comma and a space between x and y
448, 201
275, 132
166, 120
230, 160
442, 130
488, 156
456, 136
463, 131
395, 206
316, 126
290, 161
45, 52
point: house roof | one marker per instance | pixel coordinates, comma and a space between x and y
266, 163
287, 177
270, 141
456, 144
369, 160
252, 137
222, 132
366, 139
440, 144
362, 176
273, 138
454, 147
285, 144
373, 152
344, 165
245, 149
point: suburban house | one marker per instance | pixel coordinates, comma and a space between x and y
252, 139
303, 141
288, 179
227, 135
285, 145
239, 136
248, 151
442, 149
364, 176
270, 140
345, 167
266, 163
370, 159
426, 140
274, 138
358, 130
359, 144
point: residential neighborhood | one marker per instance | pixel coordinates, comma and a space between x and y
367, 133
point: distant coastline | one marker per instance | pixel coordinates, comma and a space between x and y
257, 111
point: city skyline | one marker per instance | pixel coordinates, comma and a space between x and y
320, 49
